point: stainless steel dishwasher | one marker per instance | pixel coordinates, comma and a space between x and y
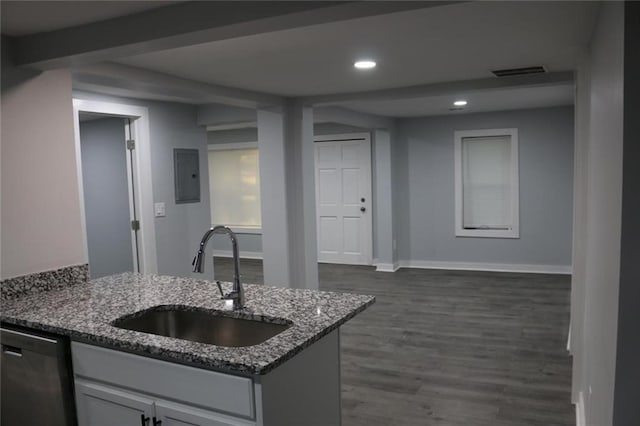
37, 385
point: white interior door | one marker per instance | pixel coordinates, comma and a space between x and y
343, 199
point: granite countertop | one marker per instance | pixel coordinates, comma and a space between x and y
84, 312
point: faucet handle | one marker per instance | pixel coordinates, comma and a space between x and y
220, 289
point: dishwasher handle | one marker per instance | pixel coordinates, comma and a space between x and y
12, 351
15, 342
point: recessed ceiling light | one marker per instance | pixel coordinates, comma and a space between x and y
365, 65
460, 103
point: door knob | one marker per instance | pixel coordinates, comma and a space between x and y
362, 209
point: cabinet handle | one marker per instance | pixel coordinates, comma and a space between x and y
156, 422
144, 421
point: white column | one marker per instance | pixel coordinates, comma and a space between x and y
287, 172
384, 201
273, 196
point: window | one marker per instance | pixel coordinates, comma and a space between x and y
234, 184
486, 167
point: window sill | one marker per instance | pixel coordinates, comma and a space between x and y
487, 233
244, 229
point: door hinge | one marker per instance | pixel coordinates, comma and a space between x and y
135, 225
131, 144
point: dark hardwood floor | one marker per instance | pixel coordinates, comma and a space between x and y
451, 348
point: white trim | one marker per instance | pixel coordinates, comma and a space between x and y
514, 232
343, 137
422, 264
337, 262
232, 126
255, 230
488, 267
144, 185
234, 145
131, 178
387, 267
78, 149
580, 411
243, 254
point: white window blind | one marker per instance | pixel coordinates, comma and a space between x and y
486, 166
486, 182
234, 183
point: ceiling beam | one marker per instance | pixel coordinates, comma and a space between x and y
444, 88
332, 114
188, 23
226, 115
123, 80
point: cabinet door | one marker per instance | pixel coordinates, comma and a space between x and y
100, 405
171, 414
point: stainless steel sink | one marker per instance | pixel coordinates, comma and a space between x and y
202, 326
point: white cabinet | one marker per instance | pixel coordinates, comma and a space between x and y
101, 405
115, 388
172, 414
168, 381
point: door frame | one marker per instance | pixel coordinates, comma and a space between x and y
141, 179
366, 137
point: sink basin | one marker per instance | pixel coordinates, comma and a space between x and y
202, 326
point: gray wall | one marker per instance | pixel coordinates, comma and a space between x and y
336, 129
253, 242
599, 230
400, 193
106, 196
173, 125
424, 165
382, 193
178, 234
626, 407
248, 134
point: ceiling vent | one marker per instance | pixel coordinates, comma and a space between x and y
510, 72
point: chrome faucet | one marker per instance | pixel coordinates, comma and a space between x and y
237, 292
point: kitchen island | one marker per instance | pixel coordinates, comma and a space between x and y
132, 377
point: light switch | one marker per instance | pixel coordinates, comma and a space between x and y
159, 209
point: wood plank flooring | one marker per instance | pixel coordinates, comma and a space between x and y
451, 348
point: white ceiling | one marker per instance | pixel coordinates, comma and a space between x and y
494, 100
460, 41
30, 17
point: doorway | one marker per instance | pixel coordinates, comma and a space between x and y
343, 198
114, 178
108, 189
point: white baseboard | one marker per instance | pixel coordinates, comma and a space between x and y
387, 267
243, 254
580, 417
428, 264
488, 267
